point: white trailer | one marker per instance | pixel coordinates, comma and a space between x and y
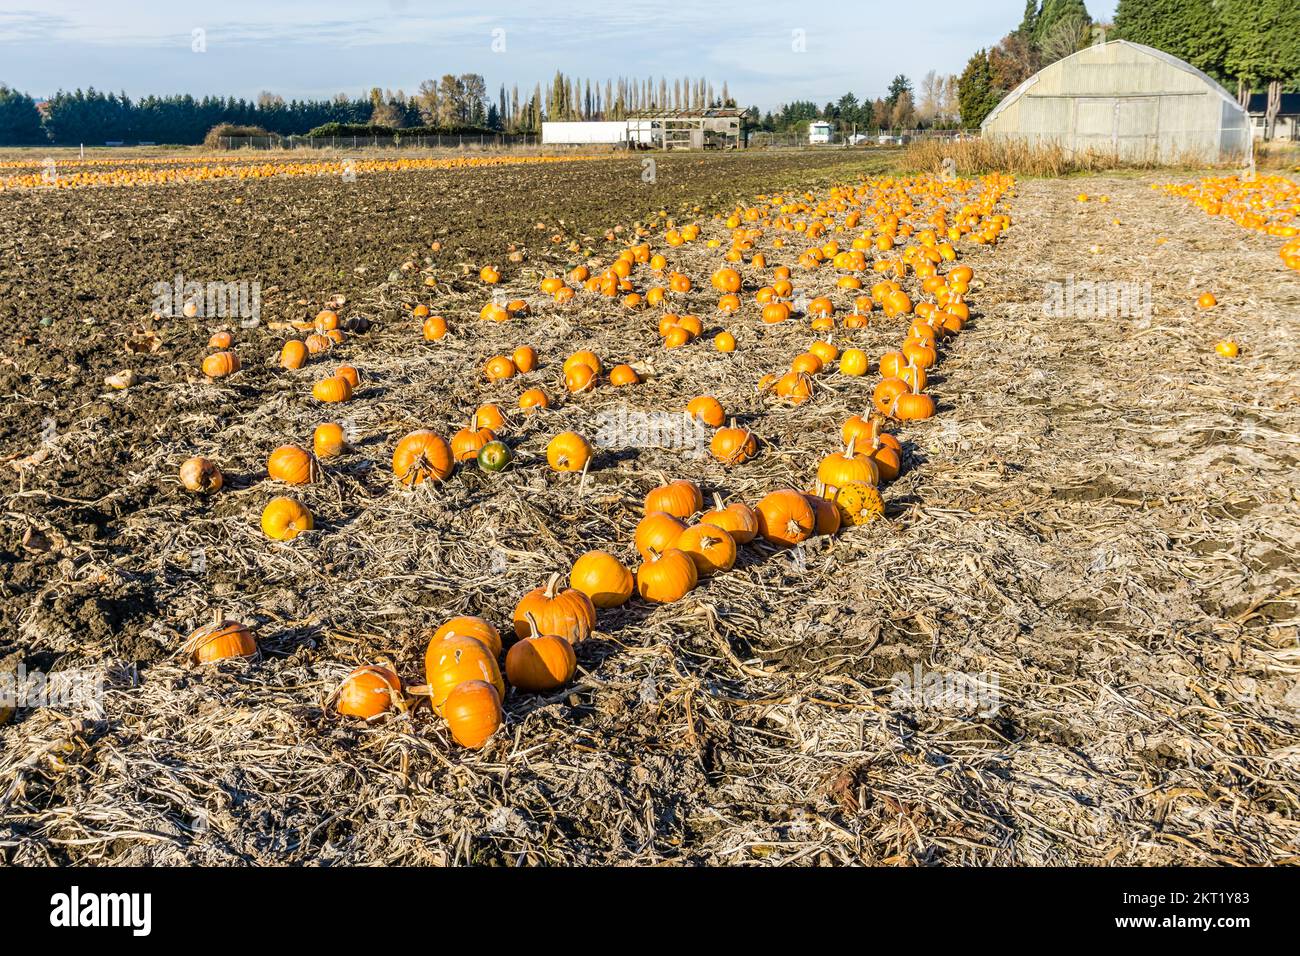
819, 133
584, 133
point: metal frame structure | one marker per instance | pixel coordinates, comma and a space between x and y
717, 127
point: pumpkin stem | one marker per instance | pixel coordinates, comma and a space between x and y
848, 452
717, 502
534, 630
551, 585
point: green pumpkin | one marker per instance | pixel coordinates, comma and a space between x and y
495, 456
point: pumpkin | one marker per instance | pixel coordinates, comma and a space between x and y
568, 613
469, 625
490, 275
656, 532
283, 519
435, 327
293, 354
724, 342
623, 375
367, 692
706, 409
350, 375
891, 363
220, 364
525, 358
292, 465
676, 338
218, 641
737, 519
466, 443
775, 312
710, 547
488, 416
794, 387
825, 351
200, 475
318, 343
826, 515
692, 324
680, 498
534, 398
726, 280
853, 362
221, 340
326, 321
499, 368
785, 517
327, 440
1227, 348
568, 451
885, 392
455, 659
858, 503
336, 388
541, 662
913, 406
586, 358
495, 456
733, 445
421, 456
473, 713
579, 378
603, 578
840, 468
1206, 300
807, 363
666, 577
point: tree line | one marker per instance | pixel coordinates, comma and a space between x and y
452, 102
1251, 45
902, 107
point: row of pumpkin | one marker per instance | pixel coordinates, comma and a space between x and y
679, 542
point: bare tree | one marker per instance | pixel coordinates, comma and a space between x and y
1068, 35
931, 97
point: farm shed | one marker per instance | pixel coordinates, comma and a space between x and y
1136, 101
716, 127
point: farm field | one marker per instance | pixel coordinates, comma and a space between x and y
1099, 525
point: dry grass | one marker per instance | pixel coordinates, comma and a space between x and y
1050, 160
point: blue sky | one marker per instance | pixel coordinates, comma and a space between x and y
316, 48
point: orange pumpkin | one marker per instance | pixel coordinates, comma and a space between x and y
454, 660
785, 517
567, 613
603, 578
292, 465
680, 498
220, 640
283, 519
473, 713
421, 456
541, 662
367, 692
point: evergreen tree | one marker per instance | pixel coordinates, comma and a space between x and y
975, 92
20, 123
1191, 30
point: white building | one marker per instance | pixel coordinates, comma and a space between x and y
819, 132
584, 134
